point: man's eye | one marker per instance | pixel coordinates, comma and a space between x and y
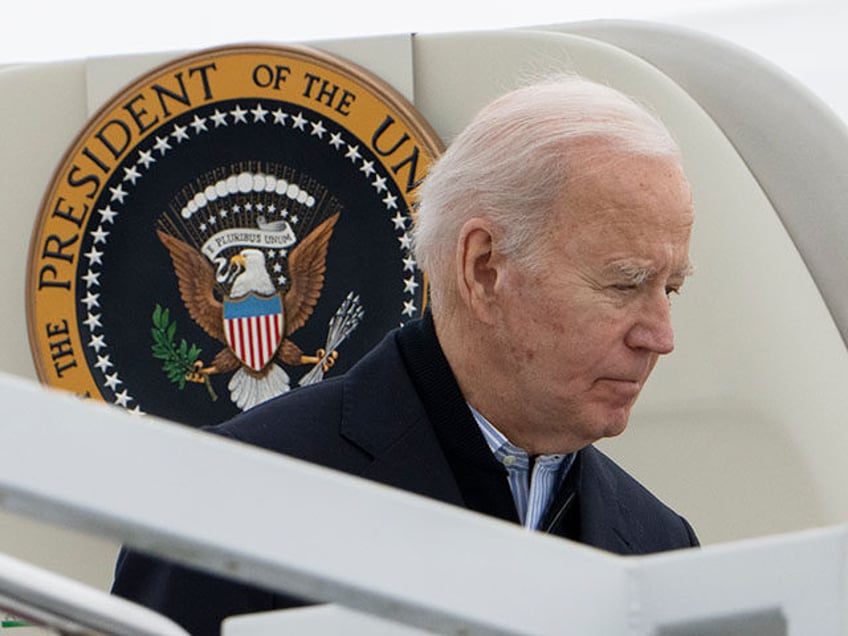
624, 286
672, 291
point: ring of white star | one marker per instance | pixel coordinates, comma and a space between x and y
179, 134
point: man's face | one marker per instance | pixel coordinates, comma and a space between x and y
583, 333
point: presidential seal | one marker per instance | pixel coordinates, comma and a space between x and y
230, 226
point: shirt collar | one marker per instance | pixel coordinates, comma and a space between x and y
503, 449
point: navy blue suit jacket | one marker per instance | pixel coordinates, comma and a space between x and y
397, 417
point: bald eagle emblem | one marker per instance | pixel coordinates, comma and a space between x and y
231, 225
234, 288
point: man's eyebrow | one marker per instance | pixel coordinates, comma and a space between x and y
639, 274
684, 272
633, 273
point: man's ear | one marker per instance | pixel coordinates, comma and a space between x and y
479, 268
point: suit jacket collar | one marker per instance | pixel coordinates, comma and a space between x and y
481, 479
383, 414
422, 420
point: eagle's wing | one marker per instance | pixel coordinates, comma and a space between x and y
307, 264
196, 281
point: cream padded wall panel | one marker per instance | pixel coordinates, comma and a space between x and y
40, 112
717, 432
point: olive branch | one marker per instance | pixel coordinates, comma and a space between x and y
178, 362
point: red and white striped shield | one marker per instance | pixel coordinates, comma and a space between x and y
253, 326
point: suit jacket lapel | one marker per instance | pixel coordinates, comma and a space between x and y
603, 517
383, 415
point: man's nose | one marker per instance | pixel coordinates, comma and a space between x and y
652, 329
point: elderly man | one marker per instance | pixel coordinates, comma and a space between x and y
554, 230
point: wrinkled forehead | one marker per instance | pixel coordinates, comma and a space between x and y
631, 207
604, 185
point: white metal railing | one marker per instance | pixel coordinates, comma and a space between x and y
206, 502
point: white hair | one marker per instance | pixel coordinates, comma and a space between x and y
511, 164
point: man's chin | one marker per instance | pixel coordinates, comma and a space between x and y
611, 423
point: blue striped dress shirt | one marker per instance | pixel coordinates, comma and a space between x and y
532, 492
